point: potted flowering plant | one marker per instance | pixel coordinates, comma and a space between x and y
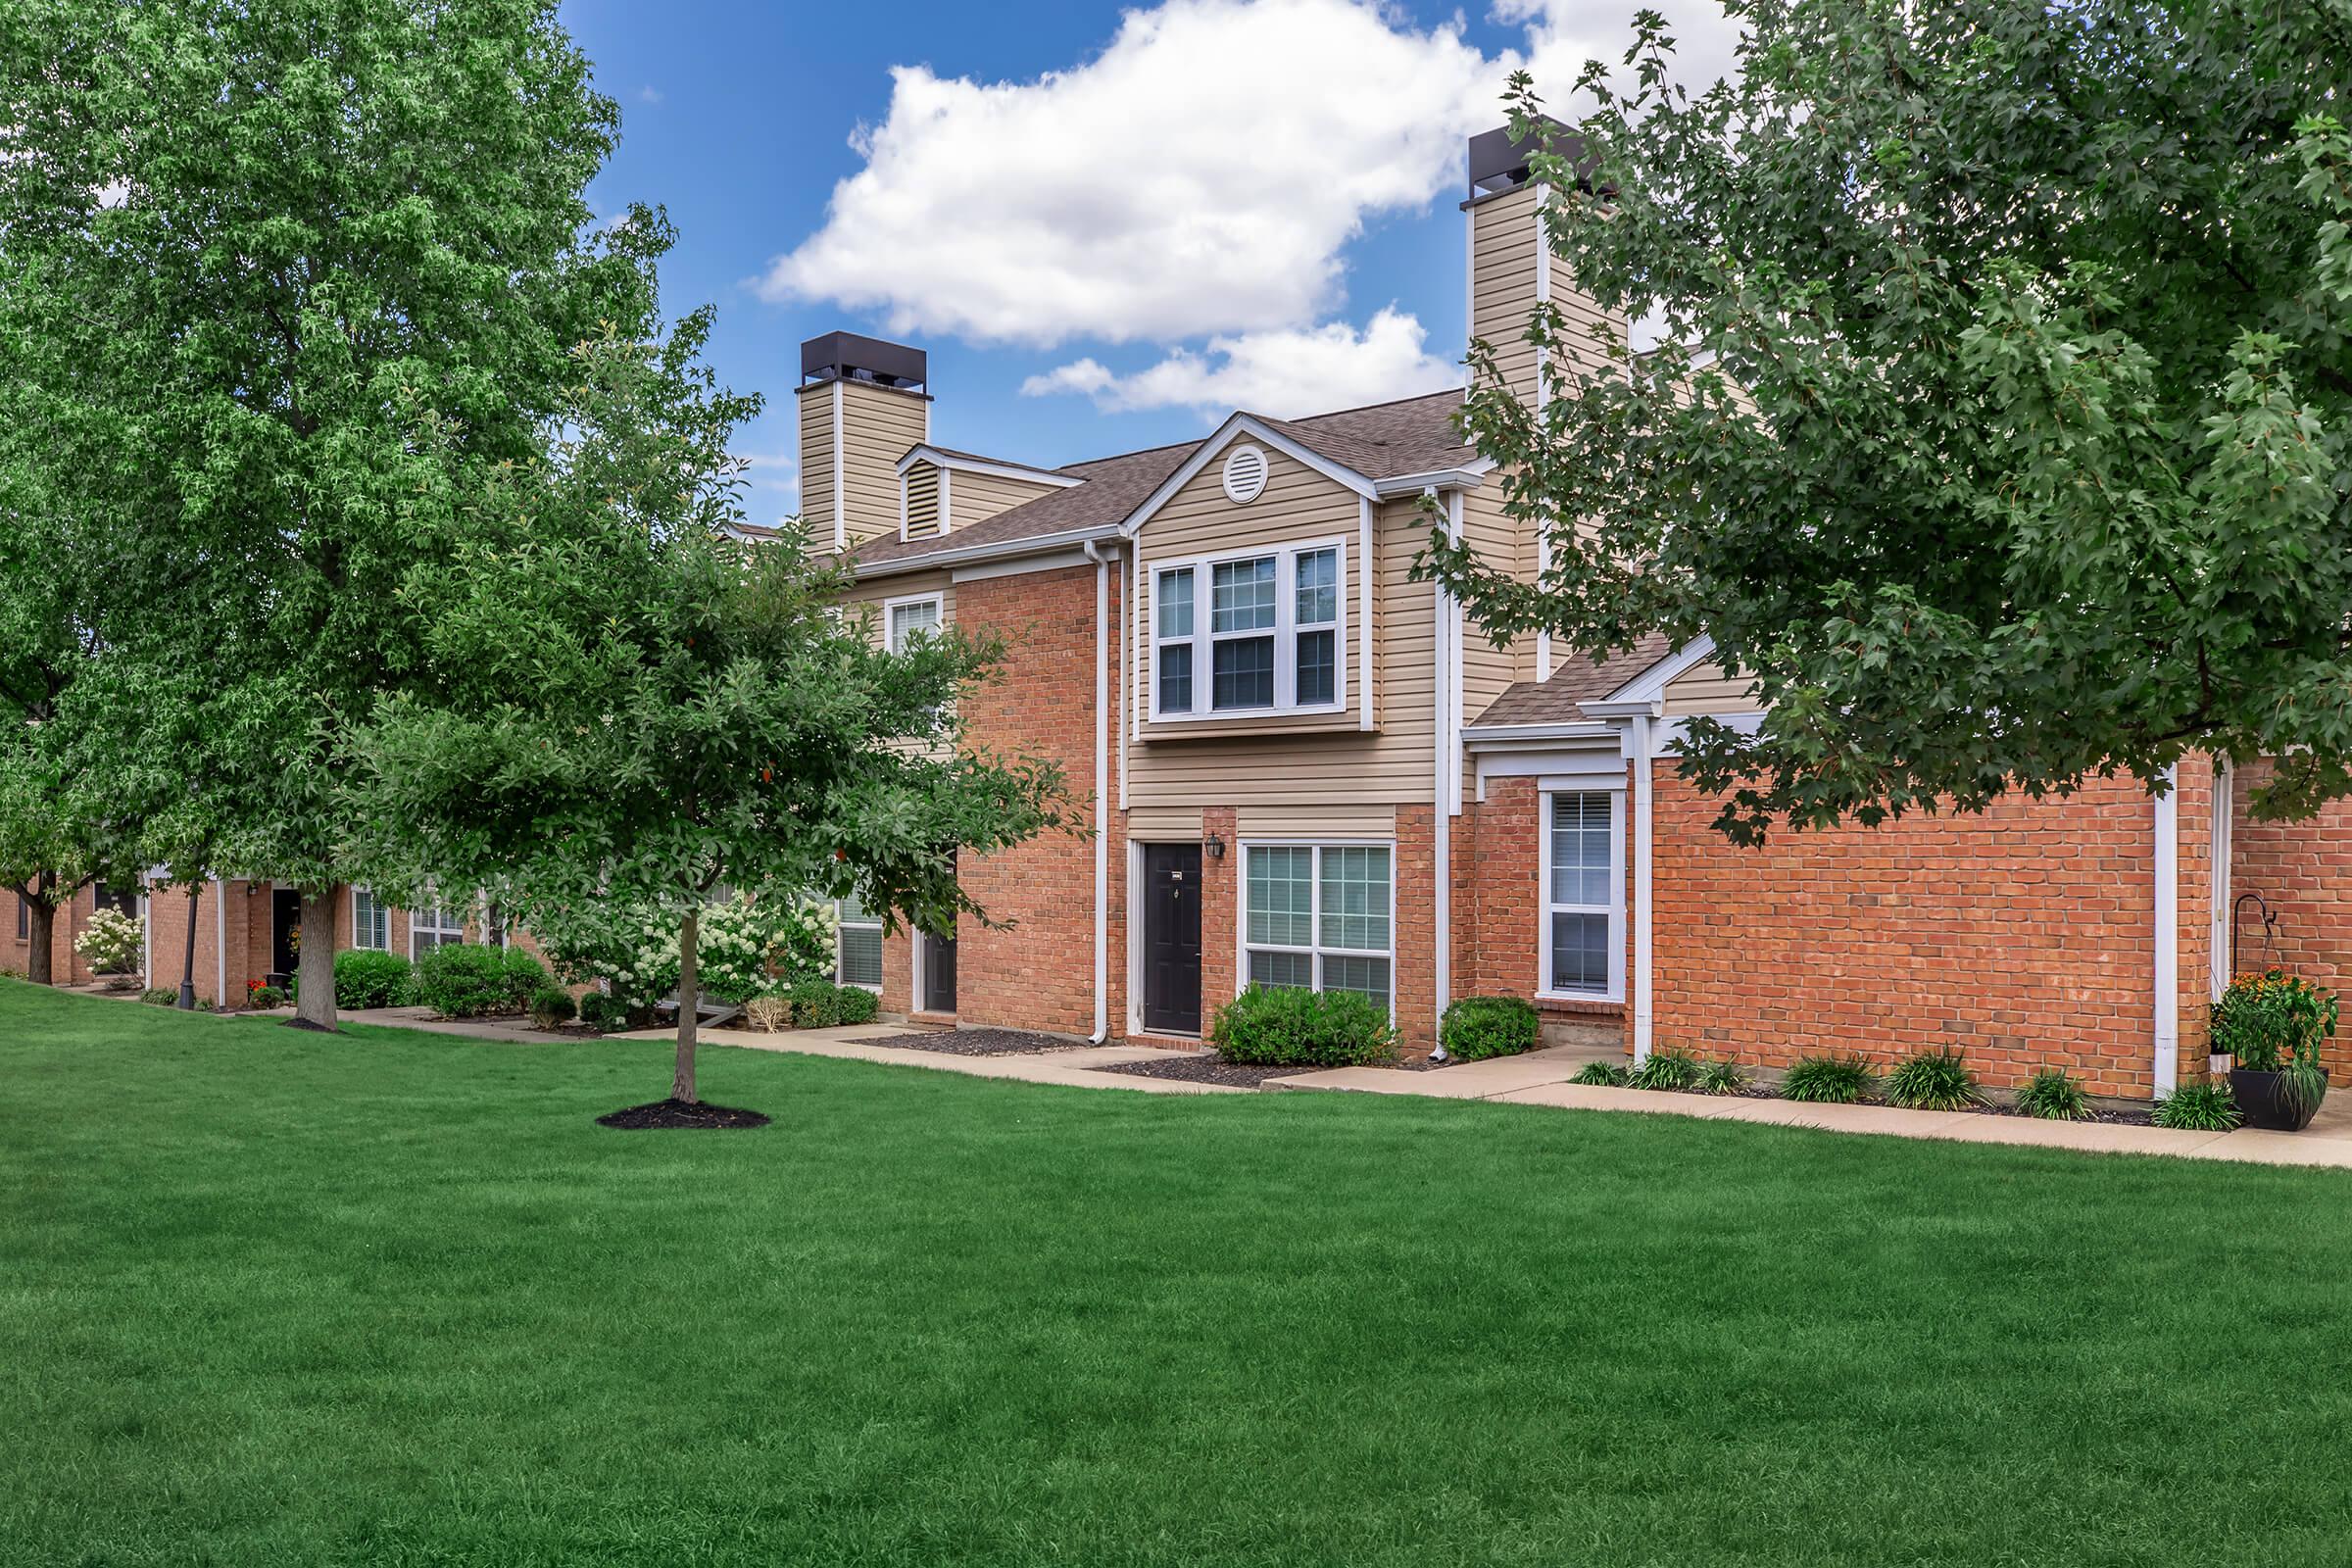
2272, 1025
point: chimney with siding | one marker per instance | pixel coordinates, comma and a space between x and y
1511, 268
863, 403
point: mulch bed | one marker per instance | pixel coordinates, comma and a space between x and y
678, 1113
1203, 1069
980, 1043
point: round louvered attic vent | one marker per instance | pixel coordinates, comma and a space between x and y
1244, 475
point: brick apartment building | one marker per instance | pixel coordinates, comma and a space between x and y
1302, 767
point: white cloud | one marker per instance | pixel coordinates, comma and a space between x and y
1201, 174
649, 95
771, 470
1284, 373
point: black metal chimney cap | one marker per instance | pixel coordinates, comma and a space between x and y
1499, 163
853, 356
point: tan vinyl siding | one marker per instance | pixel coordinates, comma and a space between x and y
1706, 689
1163, 823
1507, 281
878, 425
1239, 763
1499, 540
976, 497
922, 501
1316, 821
816, 406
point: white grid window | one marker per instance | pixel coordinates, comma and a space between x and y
370, 923
859, 945
910, 618
1583, 895
1274, 639
435, 927
1320, 918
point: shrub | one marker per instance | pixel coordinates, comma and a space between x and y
1267, 1027
262, 997
1934, 1080
369, 979
1829, 1080
823, 1005
2199, 1108
742, 949
160, 996
1477, 1027
860, 1006
770, 1013
1600, 1075
524, 977
465, 981
552, 1006
112, 943
1665, 1069
600, 1011
2053, 1095
1720, 1078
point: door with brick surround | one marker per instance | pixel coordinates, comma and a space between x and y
1172, 939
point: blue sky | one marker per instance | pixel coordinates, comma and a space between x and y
1107, 226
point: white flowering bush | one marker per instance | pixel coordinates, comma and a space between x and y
745, 949
112, 943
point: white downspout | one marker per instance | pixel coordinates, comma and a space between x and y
2168, 937
221, 943
1094, 553
1641, 888
1448, 778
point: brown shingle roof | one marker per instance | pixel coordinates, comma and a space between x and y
1583, 678
1412, 435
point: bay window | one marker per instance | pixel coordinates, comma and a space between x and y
1320, 918
1273, 640
1583, 895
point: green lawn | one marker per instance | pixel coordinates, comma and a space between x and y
273, 1297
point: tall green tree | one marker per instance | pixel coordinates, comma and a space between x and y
2002, 428
250, 245
630, 706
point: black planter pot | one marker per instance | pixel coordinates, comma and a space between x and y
2263, 1096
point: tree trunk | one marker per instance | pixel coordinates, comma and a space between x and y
690, 1009
188, 959
41, 919
314, 964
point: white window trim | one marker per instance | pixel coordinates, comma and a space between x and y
438, 927
383, 912
1284, 632
1242, 945
1615, 911
890, 615
838, 926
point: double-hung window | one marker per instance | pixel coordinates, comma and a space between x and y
1320, 918
1263, 633
910, 618
858, 943
1583, 895
435, 926
370, 923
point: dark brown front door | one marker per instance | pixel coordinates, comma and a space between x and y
285, 919
939, 973
1172, 938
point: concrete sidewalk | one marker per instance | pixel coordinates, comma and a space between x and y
1540, 1078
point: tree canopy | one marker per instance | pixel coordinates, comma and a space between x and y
2001, 425
631, 704
252, 247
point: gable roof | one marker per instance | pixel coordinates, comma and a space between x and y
1382, 441
1582, 678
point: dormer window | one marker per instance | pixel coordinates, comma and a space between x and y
1273, 640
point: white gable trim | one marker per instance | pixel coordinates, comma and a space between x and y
1650, 685
1000, 470
1232, 430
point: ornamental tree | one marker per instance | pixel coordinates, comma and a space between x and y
630, 706
2002, 426
250, 246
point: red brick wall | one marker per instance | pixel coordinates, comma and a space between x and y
1039, 974
1414, 964
1498, 906
2024, 936
2303, 870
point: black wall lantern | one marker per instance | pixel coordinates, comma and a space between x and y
1213, 847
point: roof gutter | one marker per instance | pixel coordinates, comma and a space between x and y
1476, 736
998, 549
1408, 484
